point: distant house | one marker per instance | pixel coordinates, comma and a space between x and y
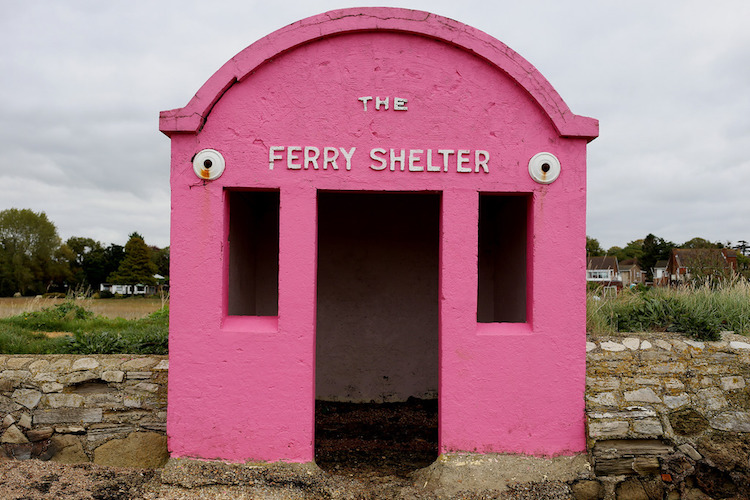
659, 273
631, 272
139, 289
686, 263
604, 271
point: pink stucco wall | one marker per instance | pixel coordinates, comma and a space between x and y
242, 388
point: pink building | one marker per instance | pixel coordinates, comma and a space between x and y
372, 204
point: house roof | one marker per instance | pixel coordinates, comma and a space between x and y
661, 264
704, 257
605, 262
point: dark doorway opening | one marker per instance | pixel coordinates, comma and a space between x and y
377, 332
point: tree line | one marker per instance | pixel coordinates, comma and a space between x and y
651, 249
34, 260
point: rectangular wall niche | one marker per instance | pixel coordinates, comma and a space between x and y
253, 272
503, 222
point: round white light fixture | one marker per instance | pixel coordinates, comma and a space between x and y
208, 164
544, 168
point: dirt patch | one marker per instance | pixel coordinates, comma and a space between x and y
54, 335
33, 479
385, 439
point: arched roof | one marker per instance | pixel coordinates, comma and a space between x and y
191, 117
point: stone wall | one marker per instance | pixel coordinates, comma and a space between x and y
667, 415
109, 409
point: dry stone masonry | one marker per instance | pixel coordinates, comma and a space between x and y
669, 416
109, 409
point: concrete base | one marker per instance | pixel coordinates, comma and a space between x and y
452, 473
451, 476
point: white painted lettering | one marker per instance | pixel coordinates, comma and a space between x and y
348, 156
401, 159
329, 156
364, 100
379, 102
272, 156
382, 161
446, 154
430, 166
311, 157
290, 157
414, 158
399, 104
481, 158
461, 160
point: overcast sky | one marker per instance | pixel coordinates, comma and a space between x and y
83, 82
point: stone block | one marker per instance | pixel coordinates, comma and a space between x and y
587, 489
13, 435
69, 450
40, 434
664, 368
632, 343
132, 401
646, 381
612, 346
732, 383
24, 421
645, 395
739, 345
78, 377
101, 432
673, 383
602, 399
60, 365
143, 386
138, 364
16, 374
103, 400
8, 421
27, 397
116, 376
648, 427
603, 383
16, 363
690, 451
630, 412
712, 399
45, 377
732, 421
663, 344
84, 364
48, 387
40, 365
609, 429
590, 346
677, 401
7, 405
70, 429
138, 375
139, 449
164, 363
64, 400
68, 415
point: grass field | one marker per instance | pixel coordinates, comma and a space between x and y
129, 308
87, 326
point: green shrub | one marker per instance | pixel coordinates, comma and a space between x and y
91, 334
700, 311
